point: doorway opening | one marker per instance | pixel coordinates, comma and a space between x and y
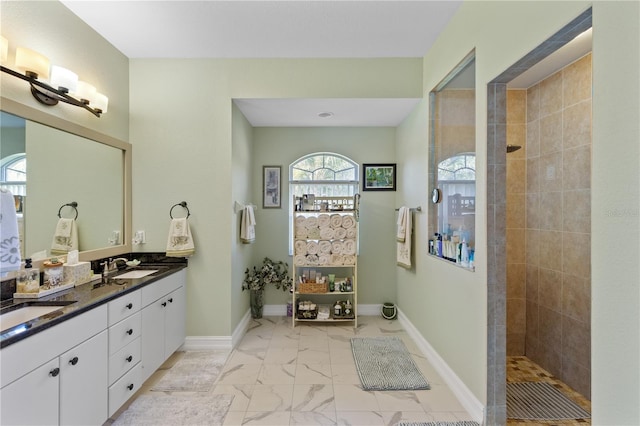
538, 212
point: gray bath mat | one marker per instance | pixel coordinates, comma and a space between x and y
384, 363
458, 423
194, 372
176, 409
540, 401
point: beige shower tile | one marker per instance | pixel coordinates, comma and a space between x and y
533, 210
551, 250
516, 106
551, 94
576, 125
516, 175
576, 341
577, 81
516, 280
577, 168
550, 288
576, 297
551, 211
551, 133
577, 254
532, 318
532, 247
533, 139
532, 272
533, 174
533, 103
517, 135
516, 316
516, 245
578, 378
551, 172
576, 210
516, 344
516, 210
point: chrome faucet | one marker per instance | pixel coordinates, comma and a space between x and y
113, 263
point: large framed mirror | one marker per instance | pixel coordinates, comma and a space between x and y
56, 162
452, 165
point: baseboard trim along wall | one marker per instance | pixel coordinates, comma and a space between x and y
468, 400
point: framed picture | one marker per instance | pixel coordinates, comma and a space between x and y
379, 177
271, 195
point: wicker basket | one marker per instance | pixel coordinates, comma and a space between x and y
312, 287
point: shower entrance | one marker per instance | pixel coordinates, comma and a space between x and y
539, 216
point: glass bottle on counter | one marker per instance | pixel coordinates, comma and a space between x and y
28, 279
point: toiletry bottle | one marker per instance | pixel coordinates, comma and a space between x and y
439, 249
464, 253
28, 279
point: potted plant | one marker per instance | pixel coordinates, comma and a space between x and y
271, 272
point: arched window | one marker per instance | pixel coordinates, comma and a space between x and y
13, 173
324, 174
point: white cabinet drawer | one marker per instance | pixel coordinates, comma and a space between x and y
124, 388
124, 332
123, 360
166, 285
123, 307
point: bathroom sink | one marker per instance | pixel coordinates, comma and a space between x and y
27, 312
136, 273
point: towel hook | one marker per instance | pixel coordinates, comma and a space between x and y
182, 204
73, 205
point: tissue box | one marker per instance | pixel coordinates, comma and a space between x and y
80, 272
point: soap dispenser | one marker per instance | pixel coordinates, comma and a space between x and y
28, 279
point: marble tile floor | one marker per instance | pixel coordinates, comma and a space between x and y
280, 375
522, 369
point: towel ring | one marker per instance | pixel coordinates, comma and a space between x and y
73, 205
182, 204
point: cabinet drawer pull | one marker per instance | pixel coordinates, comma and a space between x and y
171, 300
74, 360
130, 306
129, 358
164, 304
130, 331
54, 372
130, 387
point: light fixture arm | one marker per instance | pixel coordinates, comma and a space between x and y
51, 96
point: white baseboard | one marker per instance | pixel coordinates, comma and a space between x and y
204, 343
468, 400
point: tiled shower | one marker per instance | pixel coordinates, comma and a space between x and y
548, 224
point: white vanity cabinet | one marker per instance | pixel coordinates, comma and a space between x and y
44, 382
163, 320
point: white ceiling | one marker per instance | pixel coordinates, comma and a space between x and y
280, 29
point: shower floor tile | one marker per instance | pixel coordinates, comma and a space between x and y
522, 369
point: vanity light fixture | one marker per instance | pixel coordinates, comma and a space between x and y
63, 87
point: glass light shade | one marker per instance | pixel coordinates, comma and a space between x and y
4, 49
85, 91
63, 78
101, 102
28, 60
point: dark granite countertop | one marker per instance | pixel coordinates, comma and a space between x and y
77, 300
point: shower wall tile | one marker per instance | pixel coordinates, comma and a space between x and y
551, 94
576, 346
533, 210
532, 272
516, 106
533, 174
577, 254
551, 172
576, 298
517, 135
551, 212
576, 208
577, 78
551, 250
516, 175
533, 103
533, 139
532, 247
516, 209
515, 245
516, 276
550, 289
577, 377
577, 168
551, 133
576, 125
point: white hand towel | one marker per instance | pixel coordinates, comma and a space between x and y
65, 237
248, 226
9, 238
180, 241
403, 212
403, 248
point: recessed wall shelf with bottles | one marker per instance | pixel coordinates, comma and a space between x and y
325, 243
